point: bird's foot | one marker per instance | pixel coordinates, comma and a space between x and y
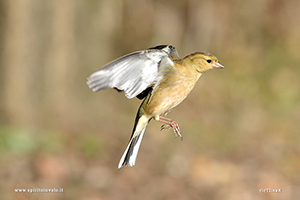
169, 123
165, 127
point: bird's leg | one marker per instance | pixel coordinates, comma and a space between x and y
168, 123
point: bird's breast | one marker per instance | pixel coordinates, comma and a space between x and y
168, 94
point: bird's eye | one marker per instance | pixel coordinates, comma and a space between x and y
208, 61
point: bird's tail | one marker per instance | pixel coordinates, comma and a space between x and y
130, 154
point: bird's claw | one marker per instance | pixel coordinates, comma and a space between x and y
174, 125
165, 127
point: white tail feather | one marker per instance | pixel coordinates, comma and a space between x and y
130, 154
136, 142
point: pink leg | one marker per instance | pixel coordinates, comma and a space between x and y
168, 123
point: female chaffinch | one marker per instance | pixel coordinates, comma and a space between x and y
160, 78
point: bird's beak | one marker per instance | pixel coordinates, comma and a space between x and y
218, 65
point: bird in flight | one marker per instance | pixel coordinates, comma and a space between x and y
159, 77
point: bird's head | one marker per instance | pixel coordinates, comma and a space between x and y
202, 61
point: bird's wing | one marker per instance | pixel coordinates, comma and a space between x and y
169, 49
132, 73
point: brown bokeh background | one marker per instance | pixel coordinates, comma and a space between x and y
240, 125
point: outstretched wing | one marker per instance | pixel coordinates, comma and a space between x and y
132, 73
169, 49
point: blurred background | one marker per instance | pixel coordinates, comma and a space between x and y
240, 125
